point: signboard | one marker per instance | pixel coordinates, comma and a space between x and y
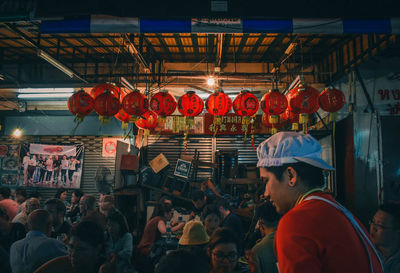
50, 166
9, 164
109, 146
182, 168
232, 125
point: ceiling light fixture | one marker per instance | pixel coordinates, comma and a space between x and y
127, 84
55, 63
54, 96
45, 90
210, 81
17, 133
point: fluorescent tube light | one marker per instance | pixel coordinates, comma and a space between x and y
45, 90
44, 96
55, 63
127, 84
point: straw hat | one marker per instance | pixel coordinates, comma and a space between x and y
194, 233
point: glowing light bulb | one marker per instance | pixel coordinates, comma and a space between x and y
210, 81
17, 132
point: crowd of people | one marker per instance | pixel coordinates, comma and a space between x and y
298, 227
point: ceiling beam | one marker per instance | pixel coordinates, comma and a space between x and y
131, 48
220, 46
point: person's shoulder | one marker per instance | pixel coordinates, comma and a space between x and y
60, 265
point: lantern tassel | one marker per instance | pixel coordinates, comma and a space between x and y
125, 125
333, 116
78, 120
252, 133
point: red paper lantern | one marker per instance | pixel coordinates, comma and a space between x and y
147, 121
274, 103
190, 104
163, 103
135, 103
218, 103
289, 117
101, 88
106, 105
80, 104
331, 100
245, 104
303, 100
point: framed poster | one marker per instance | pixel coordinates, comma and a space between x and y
51, 166
182, 168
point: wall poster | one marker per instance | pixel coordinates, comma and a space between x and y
51, 166
9, 164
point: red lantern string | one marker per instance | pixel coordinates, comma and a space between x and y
80, 104
106, 105
101, 88
273, 104
163, 104
135, 104
331, 100
303, 100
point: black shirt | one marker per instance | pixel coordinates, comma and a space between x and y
233, 222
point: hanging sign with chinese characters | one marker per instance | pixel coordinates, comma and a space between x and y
232, 125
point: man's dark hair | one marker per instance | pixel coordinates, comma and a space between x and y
58, 203
89, 232
198, 195
394, 210
310, 175
221, 202
210, 209
5, 192
78, 193
90, 201
266, 212
192, 260
117, 217
21, 191
35, 194
59, 192
223, 236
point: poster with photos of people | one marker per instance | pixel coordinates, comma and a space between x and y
9, 164
51, 166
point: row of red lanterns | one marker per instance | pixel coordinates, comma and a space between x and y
107, 100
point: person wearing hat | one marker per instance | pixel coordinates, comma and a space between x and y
316, 233
194, 234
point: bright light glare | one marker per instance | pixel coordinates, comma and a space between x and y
210, 81
17, 132
44, 95
45, 90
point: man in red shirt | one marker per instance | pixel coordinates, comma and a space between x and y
315, 234
9, 205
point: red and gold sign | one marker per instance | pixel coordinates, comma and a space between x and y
163, 104
147, 121
135, 103
80, 104
101, 88
245, 104
190, 104
106, 105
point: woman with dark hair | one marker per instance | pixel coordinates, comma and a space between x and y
73, 211
223, 250
120, 241
85, 252
62, 195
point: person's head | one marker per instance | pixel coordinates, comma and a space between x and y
87, 204
211, 218
194, 234
268, 218
291, 164
164, 210
117, 225
31, 205
107, 204
64, 157
57, 210
20, 195
184, 260
4, 193
385, 226
199, 199
223, 250
223, 207
86, 247
35, 194
76, 196
165, 199
40, 220
61, 194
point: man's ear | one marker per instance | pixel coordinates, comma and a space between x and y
292, 175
